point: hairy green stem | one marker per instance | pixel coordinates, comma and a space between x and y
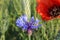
27, 11
3, 37
29, 37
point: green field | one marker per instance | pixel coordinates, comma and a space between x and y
10, 10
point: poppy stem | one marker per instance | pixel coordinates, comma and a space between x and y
34, 8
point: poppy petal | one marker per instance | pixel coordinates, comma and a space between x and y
57, 2
43, 7
48, 3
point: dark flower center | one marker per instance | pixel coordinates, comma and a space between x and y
54, 11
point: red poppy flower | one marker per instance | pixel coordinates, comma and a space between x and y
48, 9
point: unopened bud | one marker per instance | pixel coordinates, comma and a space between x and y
29, 32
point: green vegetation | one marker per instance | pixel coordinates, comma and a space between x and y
10, 10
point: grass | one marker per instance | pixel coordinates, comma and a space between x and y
10, 10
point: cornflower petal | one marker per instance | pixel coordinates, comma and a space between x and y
32, 20
24, 18
20, 22
23, 23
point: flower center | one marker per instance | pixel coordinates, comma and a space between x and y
54, 11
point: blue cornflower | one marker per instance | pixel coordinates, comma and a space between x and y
23, 23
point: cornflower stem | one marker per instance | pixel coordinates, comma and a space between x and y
29, 37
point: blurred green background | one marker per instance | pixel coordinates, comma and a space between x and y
10, 10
